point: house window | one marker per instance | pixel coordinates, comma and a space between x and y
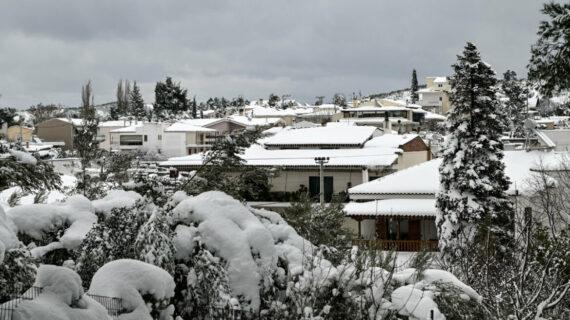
440, 85
145, 138
131, 140
440, 99
159, 137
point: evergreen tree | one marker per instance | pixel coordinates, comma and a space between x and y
85, 139
137, 103
339, 100
273, 99
550, 57
170, 100
414, 88
194, 110
7, 116
154, 242
17, 273
473, 208
28, 176
516, 105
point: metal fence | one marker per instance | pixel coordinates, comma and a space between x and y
114, 306
7, 308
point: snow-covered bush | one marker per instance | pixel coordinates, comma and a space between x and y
112, 237
145, 289
154, 241
62, 298
17, 272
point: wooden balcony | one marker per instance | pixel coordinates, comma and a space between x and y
397, 245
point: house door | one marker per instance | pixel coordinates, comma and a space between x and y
314, 188
415, 229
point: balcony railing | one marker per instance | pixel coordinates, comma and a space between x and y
397, 245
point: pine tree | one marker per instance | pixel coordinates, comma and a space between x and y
414, 88
170, 100
473, 208
516, 105
154, 242
550, 61
339, 100
273, 98
85, 139
136, 101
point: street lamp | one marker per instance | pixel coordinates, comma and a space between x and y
321, 162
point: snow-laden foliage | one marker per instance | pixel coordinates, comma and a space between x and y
153, 243
73, 218
516, 103
136, 283
549, 64
472, 202
62, 298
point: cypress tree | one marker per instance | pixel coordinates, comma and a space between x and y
474, 214
137, 103
414, 88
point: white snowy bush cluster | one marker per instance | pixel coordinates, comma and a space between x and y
226, 255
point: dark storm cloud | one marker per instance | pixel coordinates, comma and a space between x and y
226, 48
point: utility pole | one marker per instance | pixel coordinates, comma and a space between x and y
321, 162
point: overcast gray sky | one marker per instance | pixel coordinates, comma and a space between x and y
49, 49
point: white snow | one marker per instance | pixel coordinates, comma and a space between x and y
341, 135
392, 207
24, 157
390, 140
129, 280
8, 238
230, 230
423, 179
256, 155
116, 199
51, 197
186, 127
35, 219
62, 298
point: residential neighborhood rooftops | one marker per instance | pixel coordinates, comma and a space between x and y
115, 123
341, 135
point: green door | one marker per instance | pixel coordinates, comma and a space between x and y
314, 188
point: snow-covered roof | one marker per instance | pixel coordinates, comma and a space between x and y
392, 207
374, 109
75, 122
390, 140
259, 111
115, 123
375, 120
256, 155
424, 177
186, 127
130, 129
254, 121
342, 135
434, 116
440, 80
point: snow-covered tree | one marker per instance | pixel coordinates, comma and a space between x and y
339, 100
170, 99
154, 242
85, 138
21, 169
550, 61
273, 99
516, 104
414, 88
112, 238
474, 214
17, 272
136, 103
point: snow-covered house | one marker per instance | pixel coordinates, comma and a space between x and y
104, 131
140, 136
182, 138
355, 156
398, 210
398, 118
435, 96
59, 130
